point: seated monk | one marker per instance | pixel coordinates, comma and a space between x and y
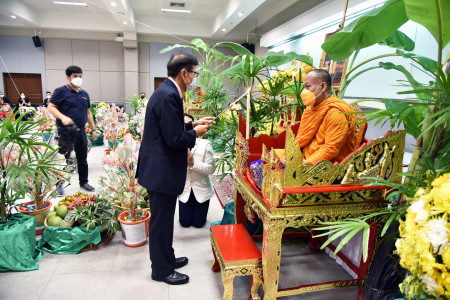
324, 133
199, 93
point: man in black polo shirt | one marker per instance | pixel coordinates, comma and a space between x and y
71, 107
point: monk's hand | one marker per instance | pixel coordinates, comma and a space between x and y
200, 130
205, 121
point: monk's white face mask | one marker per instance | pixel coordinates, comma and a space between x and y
309, 97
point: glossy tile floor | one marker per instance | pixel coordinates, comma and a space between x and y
119, 272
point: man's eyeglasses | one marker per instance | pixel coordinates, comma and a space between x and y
196, 73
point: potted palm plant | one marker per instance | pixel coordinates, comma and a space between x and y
42, 187
19, 163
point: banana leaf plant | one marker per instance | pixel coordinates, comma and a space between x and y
426, 118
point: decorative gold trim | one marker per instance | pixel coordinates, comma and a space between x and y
242, 153
319, 287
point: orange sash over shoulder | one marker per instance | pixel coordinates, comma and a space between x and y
323, 134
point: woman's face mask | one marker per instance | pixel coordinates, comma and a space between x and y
22, 96
309, 97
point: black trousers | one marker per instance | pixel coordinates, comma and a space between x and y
193, 213
75, 140
160, 233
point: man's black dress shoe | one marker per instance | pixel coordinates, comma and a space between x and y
87, 187
180, 262
173, 279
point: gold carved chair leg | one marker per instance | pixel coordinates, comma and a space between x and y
257, 282
227, 280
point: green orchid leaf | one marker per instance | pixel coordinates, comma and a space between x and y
398, 40
426, 14
366, 30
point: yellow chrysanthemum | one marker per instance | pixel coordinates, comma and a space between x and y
446, 258
440, 180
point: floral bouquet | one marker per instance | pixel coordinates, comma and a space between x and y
119, 184
136, 123
424, 246
49, 120
112, 121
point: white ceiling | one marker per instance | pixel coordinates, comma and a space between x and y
209, 19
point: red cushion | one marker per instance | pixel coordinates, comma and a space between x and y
235, 243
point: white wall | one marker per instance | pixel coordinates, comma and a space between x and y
158, 61
19, 55
102, 63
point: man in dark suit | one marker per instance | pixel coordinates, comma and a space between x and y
162, 162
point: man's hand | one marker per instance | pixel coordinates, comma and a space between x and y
200, 130
66, 121
94, 135
190, 158
204, 121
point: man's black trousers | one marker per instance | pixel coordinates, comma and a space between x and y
160, 233
69, 140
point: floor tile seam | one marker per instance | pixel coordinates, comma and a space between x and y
107, 284
48, 281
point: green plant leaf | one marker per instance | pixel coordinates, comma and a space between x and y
366, 30
236, 47
398, 40
426, 14
201, 44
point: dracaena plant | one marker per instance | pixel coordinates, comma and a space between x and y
21, 162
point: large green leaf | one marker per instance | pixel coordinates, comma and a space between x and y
251, 65
425, 12
367, 30
200, 44
236, 47
398, 40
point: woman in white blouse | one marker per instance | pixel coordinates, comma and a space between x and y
194, 201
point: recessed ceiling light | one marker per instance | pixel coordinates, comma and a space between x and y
70, 3
125, 22
14, 17
176, 10
113, 4
223, 30
241, 14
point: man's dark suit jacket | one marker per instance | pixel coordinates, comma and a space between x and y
162, 163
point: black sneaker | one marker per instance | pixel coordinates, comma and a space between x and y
87, 187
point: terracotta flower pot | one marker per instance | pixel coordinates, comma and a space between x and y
134, 233
39, 214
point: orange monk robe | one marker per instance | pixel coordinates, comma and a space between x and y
324, 133
200, 96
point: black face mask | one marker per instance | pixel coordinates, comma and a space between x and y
142, 97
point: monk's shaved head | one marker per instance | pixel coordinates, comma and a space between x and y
322, 76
